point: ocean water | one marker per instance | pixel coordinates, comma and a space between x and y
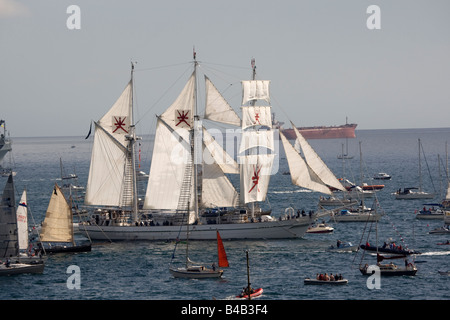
139, 270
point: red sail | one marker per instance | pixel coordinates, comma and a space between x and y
223, 261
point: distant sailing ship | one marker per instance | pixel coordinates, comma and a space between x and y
182, 190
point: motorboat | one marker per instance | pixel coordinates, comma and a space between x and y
343, 247
320, 228
325, 282
382, 176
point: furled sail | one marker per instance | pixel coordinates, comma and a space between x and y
301, 174
106, 182
8, 221
316, 163
58, 222
217, 108
22, 221
255, 90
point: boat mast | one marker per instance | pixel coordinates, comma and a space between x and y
252, 103
248, 277
132, 140
194, 138
420, 170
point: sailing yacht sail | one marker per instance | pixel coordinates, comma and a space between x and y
57, 233
9, 239
22, 222
9, 245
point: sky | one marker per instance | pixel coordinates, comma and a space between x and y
324, 63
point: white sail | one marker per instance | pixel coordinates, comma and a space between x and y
58, 222
169, 162
255, 176
217, 190
218, 155
301, 174
22, 222
256, 116
217, 108
181, 113
106, 182
256, 138
255, 90
316, 163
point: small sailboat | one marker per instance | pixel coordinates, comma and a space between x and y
9, 246
192, 271
414, 192
57, 234
26, 255
248, 292
389, 269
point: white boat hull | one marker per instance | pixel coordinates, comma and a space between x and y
414, 195
183, 273
290, 228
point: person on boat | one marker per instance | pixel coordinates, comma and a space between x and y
332, 277
327, 277
213, 266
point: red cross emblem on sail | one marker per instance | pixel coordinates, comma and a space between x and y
120, 124
257, 118
182, 117
255, 178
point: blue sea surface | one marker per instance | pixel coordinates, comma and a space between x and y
139, 270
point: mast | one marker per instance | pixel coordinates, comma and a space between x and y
194, 139
132, 140
248, 277
252, 103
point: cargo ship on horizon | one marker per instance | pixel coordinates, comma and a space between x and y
346, 130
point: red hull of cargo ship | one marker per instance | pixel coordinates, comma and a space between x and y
322, 132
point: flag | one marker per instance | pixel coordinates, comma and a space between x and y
90, 129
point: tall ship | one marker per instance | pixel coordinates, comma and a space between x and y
346, 130
188, 189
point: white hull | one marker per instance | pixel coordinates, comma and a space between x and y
414, 195
291, 228
183, 273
